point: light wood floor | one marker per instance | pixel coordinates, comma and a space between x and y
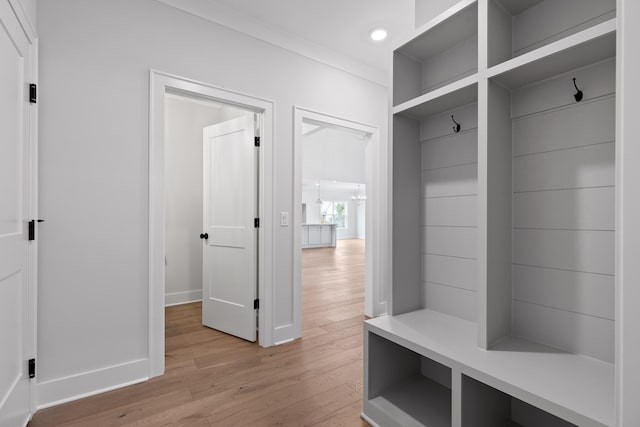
213, 379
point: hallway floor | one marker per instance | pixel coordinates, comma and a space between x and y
213, 379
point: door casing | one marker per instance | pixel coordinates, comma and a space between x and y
160, 84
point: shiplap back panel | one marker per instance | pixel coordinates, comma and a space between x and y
450, 180
462, 57
551, 20
564, 213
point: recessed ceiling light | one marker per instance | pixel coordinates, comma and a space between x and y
378, 34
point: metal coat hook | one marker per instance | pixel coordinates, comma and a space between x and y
456, 128
578, 96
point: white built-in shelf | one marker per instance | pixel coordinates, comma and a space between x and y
446, 30
578, 50
442, 51
574, 387
416, 401
454, 95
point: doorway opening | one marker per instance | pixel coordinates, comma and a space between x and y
210, 168
337, 199
211, 202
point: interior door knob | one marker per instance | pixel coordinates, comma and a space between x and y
204, 235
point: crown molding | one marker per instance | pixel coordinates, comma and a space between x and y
237, 21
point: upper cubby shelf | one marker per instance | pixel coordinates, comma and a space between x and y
578, 50
461, 92
516, 27
445, 50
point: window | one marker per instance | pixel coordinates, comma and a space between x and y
334, 213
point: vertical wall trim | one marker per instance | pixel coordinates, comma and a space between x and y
627, 217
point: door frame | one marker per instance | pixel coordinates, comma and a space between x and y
375, 298
159, 84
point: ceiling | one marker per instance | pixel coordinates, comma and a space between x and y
341, 25
332, 31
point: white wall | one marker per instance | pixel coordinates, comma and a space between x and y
183, 224
426, 10
95, 57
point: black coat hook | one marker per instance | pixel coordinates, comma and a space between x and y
456, 128
578, 96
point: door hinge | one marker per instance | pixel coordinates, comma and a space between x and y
33, 93
32, 228
256, 222
32, 368
256, 141
256, 304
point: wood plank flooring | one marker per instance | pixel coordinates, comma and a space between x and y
213, 379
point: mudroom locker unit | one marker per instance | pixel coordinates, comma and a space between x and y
503, 166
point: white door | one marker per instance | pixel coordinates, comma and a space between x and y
230, 258
16, 316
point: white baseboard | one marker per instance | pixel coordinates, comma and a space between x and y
369, 420
382, 308
182, 297
284, 334
74, 387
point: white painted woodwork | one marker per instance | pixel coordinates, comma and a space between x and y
230, 255
319, 235
17, 195
445, 98
451, 181
577, 250
627, 216
485, 406
598, 81
462, 57
455, 211
494, 235
582, 167
518, 219
440, 125
565, 128
579, 50
584, 293
406, 217
575, 388
435, 52
450, 300
451, 150
565, 330
517, 27
451, 241
574, 209
404, 389
550, 20
450, 271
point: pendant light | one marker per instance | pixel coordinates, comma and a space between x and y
319, 201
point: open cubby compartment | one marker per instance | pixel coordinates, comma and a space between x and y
445, 50
485, 406
435, 170
551, 210
517, 27
404, 388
